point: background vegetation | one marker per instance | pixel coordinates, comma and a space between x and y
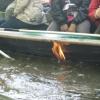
4, 4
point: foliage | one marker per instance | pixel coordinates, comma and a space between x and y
4, 4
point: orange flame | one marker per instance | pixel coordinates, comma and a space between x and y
58, 51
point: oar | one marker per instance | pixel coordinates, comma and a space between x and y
66, 37
6, 55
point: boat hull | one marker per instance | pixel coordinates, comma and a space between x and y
38, 48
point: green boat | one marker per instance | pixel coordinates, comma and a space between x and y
39, 43
32, 42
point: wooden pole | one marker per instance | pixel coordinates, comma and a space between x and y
65, 37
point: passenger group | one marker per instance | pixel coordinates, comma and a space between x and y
81, 16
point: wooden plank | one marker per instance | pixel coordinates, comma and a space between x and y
66, 37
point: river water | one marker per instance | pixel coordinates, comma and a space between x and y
42, 78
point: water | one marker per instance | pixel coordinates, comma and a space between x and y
40, 78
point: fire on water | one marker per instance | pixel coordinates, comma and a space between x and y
58, 51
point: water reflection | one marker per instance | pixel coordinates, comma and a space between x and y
44, 79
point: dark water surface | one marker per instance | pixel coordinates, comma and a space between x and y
40, 78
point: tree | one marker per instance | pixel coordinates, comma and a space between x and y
4, 4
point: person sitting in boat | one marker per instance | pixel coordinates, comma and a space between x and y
25, 14
70, 16
94, 13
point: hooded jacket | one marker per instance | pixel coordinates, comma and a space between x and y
59, 16
28, 11
92, 9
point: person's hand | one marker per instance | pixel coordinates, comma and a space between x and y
72, 28
64, 27
97, 13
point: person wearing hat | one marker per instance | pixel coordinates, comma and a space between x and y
70, 16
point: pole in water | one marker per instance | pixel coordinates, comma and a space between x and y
5, 55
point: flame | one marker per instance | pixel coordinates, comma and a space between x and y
58, 51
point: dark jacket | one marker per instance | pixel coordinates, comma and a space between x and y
59, 16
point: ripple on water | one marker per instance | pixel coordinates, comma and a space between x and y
43, 79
